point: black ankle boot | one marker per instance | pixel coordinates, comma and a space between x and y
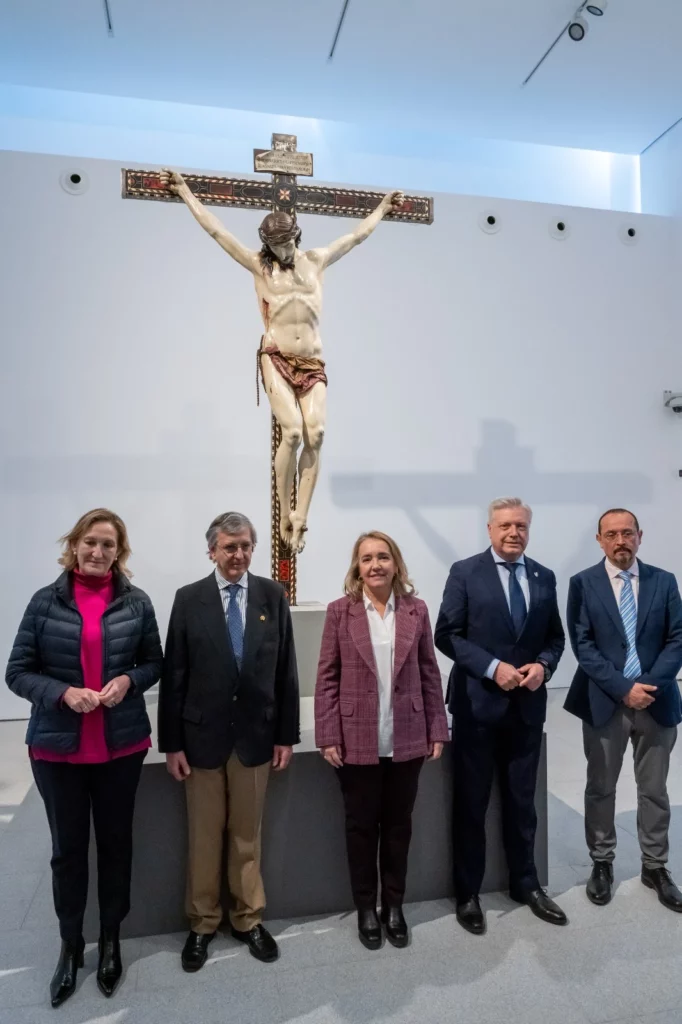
63, 982
109, 967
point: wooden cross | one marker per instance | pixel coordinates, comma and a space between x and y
282, 192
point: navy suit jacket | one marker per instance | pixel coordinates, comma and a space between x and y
475, 625
599, 644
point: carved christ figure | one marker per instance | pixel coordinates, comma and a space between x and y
289, 289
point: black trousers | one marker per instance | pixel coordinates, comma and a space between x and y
379, 799
513, 747
70, 793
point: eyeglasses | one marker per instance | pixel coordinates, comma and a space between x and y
623, 534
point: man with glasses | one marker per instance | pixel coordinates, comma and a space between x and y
625, 626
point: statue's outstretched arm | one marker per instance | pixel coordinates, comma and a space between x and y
343, 245
209, 221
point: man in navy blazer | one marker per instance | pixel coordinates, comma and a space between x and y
499, 622
625, 625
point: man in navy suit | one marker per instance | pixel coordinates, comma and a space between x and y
500, 623
625, 625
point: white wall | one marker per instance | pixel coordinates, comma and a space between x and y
392, 153
462, 366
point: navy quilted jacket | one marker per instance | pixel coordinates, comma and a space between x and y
46, 660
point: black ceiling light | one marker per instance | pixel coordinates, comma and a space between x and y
597, 9
577, 30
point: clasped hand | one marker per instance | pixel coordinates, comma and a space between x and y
531, 676
83, 700
639, 697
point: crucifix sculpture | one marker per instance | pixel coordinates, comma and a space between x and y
289, 289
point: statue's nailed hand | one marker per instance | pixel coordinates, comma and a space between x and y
393, 200
172, 180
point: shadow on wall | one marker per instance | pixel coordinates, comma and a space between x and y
502, 467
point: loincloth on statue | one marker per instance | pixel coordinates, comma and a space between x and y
302, 373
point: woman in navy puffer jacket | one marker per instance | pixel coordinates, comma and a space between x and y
87, 648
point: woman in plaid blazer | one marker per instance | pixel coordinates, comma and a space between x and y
379, 712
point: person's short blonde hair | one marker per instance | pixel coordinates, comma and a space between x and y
74, 536
501, 503
402, 584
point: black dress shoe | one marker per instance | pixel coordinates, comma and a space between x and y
109, 967
470, 915
668, 893
195, 951
396, 926
541, 905
599, 884
260, 942
63, 982
369, 928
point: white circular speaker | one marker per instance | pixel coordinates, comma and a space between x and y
489, 221
628, 233
559, 228
74, 182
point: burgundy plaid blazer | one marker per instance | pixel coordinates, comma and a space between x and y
347, 691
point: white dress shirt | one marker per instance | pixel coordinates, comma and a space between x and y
382, 632
617, 583
242, 594
504, 574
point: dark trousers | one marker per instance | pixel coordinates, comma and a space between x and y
513, 747
379, 799
70, 793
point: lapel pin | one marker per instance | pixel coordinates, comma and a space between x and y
262, 618
536, 574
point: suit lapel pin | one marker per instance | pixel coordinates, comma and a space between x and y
536, 574
262, 618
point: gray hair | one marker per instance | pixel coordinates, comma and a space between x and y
500, 503
230, 523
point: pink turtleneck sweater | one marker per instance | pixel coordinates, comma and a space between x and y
92, 595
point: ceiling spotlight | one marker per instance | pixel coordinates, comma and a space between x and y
577, 30
597, 9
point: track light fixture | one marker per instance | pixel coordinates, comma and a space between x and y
577, 30
597, 9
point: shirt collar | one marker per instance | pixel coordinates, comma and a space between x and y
521, 560
390, 604
614, 571
222, 582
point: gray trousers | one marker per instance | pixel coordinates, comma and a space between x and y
604, 750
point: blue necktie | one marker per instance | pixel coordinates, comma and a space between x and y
234, 623
628, 613
517, 602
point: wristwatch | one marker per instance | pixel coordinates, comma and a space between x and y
548, 671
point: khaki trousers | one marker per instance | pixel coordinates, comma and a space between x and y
219, 801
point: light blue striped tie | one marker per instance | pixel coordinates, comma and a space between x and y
628, 613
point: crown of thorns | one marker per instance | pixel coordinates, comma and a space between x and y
280, 235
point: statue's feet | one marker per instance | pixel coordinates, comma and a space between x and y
285, 529
298, 531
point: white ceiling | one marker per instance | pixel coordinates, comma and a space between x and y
456, 65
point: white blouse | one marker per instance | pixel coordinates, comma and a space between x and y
382, 632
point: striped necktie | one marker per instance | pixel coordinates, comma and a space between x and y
234, 623
628, 613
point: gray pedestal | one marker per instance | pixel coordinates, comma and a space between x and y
308, 621
304, 857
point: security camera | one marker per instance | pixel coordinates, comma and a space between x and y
673, 400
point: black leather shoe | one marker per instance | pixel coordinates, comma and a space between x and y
260, 942
599, 884
195, 951
109, 967
63, 982
541, 905
369, 929
668, 893
470, 915
396, 926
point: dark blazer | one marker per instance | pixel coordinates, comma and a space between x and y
207, 707
599, 644
347, 695
46, 660
474, 626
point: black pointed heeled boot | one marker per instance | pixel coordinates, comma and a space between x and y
63, 982
109, 966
